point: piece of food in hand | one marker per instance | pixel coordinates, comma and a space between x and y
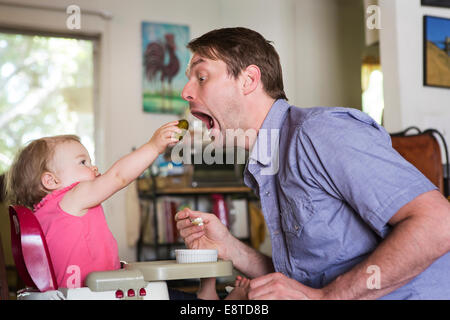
184, 126
197, 221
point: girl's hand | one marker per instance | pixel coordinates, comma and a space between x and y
165, 136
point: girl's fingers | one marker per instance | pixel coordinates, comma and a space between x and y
170, 124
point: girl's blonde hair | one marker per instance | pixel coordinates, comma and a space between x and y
23, 180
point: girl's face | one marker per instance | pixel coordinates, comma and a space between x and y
71, 163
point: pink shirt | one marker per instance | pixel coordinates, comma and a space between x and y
77, 245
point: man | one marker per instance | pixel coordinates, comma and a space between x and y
348, 217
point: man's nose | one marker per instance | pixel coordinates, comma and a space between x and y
188, 92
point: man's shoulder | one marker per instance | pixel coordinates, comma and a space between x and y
321, 120
298, 115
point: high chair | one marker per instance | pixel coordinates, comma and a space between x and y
140, 280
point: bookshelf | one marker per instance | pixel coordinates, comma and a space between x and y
151, 216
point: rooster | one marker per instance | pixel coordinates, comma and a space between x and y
154, 57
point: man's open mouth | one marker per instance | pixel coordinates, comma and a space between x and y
205, 118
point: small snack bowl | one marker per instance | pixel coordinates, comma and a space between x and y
195, 255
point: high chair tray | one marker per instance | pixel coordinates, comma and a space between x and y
171, 270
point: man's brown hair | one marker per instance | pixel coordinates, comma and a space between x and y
240, 47
23, 180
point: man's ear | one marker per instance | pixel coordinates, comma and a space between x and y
49, 181
252, 78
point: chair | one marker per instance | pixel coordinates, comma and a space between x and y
424, 152
141, 280
30, 252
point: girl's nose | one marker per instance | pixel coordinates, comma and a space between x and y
95, 169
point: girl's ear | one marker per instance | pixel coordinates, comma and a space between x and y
252, 78
49, 181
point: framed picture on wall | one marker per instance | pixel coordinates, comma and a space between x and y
164, 62
436, 51
436, 3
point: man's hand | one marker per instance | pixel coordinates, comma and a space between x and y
211, 235
276, 286
214, 235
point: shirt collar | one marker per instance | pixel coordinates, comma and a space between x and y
262, 151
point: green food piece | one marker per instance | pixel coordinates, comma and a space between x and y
184, 126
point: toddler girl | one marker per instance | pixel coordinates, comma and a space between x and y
55, 177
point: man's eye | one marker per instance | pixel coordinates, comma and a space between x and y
83, 162
201, 79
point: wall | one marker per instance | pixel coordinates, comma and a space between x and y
329, 42
320, 43
407, 101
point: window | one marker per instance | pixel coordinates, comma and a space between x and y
372, 87
46, 88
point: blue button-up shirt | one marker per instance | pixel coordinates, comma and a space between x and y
329, 181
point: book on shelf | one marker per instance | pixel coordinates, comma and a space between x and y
166, 209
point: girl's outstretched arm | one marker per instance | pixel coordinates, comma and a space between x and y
88, 194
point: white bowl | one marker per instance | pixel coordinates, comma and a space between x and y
195, 255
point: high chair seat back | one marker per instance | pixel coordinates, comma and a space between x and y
30, 251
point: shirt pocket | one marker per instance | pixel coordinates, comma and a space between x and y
295, 214
301, 257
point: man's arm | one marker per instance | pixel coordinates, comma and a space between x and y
249, 261
420, 235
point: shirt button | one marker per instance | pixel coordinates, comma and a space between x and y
267, 193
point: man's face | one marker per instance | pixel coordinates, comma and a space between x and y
214, 96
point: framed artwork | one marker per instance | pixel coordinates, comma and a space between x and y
164, 62
436, 3
436, 51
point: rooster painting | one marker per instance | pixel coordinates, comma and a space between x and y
162, 60
154, 58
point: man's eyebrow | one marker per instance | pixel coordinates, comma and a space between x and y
192, 65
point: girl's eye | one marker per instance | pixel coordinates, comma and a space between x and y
83, 162
201, 79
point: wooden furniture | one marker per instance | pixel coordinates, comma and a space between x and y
424, 152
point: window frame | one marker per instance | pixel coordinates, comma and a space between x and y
51, 23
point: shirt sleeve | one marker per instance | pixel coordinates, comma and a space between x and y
350, 157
